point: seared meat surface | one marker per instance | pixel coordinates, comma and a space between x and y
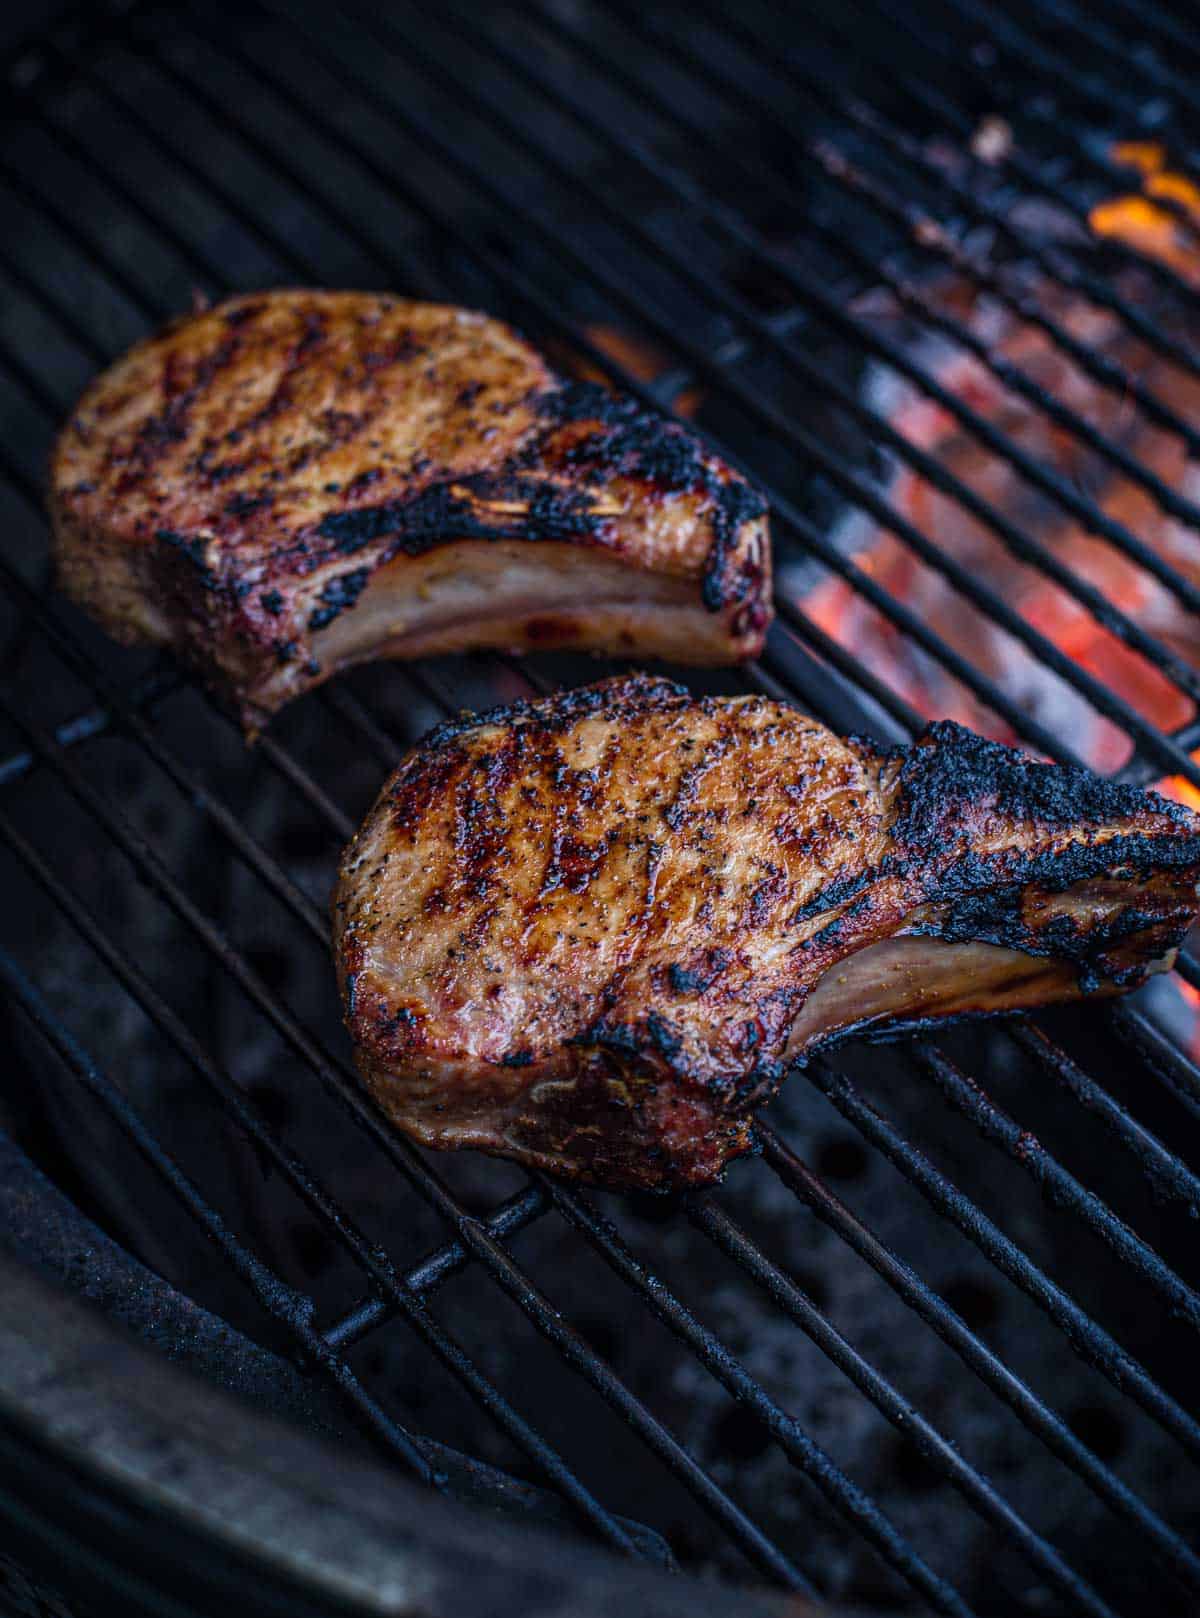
593, 932
291, 482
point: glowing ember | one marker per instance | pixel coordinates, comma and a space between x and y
1019, 673
1146, 155
1182, 790
1136, 221
641, 358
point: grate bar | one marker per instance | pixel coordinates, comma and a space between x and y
1028, 172
344, 706
1017, 542
1169, 1178
1101, 697
1057, 1182
729, 1236
979, 207
906, 721
342, 1087
95, 721
1161, 1055
513, 1215
1007, 1386
1174, 759
1089, 1340
1164, 79
934, 239
290, 1309
1188, 966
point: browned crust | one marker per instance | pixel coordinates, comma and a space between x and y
627, 896
235, 484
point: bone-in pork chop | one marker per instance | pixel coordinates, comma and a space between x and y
593, 932
295, 481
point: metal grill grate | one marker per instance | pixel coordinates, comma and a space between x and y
450, 156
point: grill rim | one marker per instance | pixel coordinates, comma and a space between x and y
105, 1441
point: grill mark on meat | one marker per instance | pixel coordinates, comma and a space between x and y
767, 896
419, 782
282, 395
677, 811
574, 862
157, 433
698, 979
241, 505
481, 824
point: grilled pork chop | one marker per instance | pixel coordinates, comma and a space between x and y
593, 932
291, 482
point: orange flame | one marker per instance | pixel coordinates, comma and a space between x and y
1145, 155
1135, 220
1180, 788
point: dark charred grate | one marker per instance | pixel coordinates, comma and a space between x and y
725, 191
